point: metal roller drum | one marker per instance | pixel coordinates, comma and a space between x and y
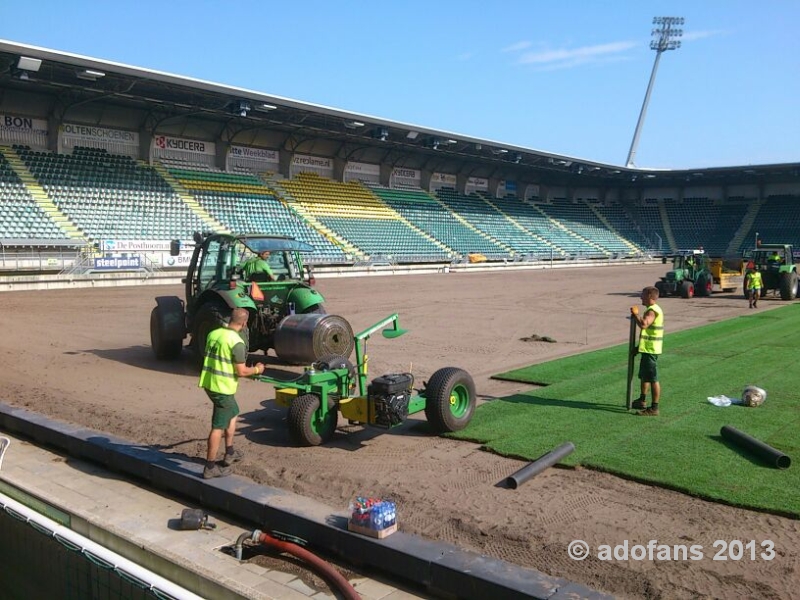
304, 339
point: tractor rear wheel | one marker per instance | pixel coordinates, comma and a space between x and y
687, 289
789, 285
305, 426
705, 285
450, 399
165, 347
661, 288
209, 317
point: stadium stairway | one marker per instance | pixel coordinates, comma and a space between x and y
567, 234
285, 196
189, 199
662, 210
461, 219
601, 217
40, 196
737, 240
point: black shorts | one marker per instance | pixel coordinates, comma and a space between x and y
648, 367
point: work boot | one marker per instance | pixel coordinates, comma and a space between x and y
638, 405
217, 470
649, 412
234, 457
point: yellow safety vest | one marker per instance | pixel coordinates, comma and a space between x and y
755, 281
219, 374
651, 339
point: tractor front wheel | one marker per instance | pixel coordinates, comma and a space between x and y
165, 326
306, 427
687, 289
450, 399
789, 285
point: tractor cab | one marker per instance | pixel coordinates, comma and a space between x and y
686, 264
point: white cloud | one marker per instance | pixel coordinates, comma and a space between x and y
518, 47
700, 35
564, 58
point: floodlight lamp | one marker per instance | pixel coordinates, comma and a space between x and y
353, 124
517, 158
383, 134
26, 63
266, 107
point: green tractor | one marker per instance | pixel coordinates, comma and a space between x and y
778, 271
690, 275
286, 312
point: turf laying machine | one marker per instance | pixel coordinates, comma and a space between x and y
333, 385
286, 312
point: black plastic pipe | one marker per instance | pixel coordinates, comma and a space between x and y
768, 454
539, 465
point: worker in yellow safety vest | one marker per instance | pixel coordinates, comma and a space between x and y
224, 363
651, 342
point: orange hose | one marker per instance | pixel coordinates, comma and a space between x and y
322, 568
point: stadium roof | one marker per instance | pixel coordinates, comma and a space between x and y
67, 80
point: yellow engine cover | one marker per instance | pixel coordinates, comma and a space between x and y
284, 396
355, 409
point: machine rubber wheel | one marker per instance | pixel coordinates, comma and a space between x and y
449, 399
305, 428
315, 308
687, 289
789, 286
660, 287
163, 348
209, 317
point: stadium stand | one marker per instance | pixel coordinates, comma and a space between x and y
21, 218
244, 204
776, 222
353, 213
96, 195
112, 197
697, 222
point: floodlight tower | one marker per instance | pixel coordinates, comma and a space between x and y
665, 38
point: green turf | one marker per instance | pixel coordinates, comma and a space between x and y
584, 402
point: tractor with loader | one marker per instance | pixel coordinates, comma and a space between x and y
286, 312
690, 275
778, 270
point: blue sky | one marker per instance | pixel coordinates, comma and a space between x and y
564, 77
